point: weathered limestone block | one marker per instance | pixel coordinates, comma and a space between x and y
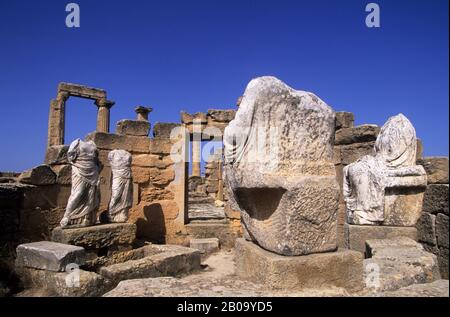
169, 260
63, 174
56, 154
164, 130
426, 229
205, 246
436, 168
47, 255
39, 175
140, 175
355, 236
84, 199
133, 127
436, 199
286, 188
344, 120
62, 284
443, 262
130, 143
97, 237
352, 152
340, 269
387, 188
437, 288
360, 134
225, 232
161, 146
150, 194
152, 160
442, 230
399, 262
161, 177
219, 115
121, 187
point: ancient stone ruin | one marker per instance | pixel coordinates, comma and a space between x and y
294, 200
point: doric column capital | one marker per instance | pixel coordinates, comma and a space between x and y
104, 103
142, 112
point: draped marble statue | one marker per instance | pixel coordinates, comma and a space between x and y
279, 170
84, 198
392, 166
122, 186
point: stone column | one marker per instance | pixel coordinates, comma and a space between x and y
56, 121
103, 114
142, 112
196, 147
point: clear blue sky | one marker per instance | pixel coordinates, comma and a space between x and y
196, 54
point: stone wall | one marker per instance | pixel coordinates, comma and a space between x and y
433, 224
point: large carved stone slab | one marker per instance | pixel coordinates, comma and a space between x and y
398, 262
97, 237
355, 236
343, 269
47, 255
387, 188
279, 167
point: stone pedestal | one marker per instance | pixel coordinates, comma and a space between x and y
343, 269
355, 236
100, 239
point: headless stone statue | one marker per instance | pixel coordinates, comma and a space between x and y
85, 195
279, 168
393, 164
122, 186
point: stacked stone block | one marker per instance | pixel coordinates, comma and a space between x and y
433, 224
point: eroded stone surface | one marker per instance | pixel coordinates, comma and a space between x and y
436, 168
97, 237
355, 236
89, 284
205, 246
398, 262
158, 260
331, 269
47, 255
133, 127
437, 288
39, 175
285, 188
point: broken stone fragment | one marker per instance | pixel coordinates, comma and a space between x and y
39, 175
51, 256
436, 168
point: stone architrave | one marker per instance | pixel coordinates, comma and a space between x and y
386, 188
84, 199
122, 186
279, 167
